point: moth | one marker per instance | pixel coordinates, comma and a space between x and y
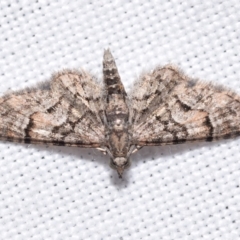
165, 107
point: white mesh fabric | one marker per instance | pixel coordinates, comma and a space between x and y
179, 192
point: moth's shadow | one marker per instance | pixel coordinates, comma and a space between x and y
88, 154
163, 153
84, 155
144, 154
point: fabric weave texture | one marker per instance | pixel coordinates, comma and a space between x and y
188, 191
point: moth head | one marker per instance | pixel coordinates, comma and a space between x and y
120, 164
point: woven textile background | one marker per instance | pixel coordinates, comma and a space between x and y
188, 192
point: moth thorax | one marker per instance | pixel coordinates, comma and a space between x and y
119, 125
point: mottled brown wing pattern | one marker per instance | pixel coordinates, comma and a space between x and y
67, 111
167, 107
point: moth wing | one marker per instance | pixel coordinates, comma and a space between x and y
65, 111
167, 107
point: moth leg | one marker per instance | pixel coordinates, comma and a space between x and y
137, 147
133, 149
103, 150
